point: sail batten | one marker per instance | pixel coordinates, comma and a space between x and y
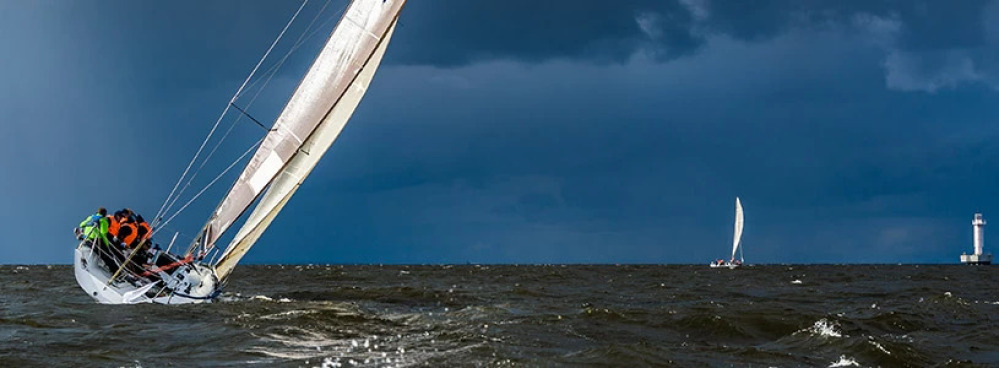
350, 50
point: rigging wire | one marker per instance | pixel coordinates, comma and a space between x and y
161, 211
308, 33
252, 147
298, 43
270, 73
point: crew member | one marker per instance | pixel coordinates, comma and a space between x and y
114, 227
124, 213
109, 227
145, 231
128, 234
94, 226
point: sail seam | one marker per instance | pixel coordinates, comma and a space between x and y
366, 31
290, 132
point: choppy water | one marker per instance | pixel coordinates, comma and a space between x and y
576, 315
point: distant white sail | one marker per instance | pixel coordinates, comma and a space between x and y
312, 119
737, 235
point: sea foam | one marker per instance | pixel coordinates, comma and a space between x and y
844, 362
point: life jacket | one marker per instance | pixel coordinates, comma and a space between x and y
113, 226
144, 230
128, 233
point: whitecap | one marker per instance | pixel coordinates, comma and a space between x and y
331, 363
844, 362
287, 314
796, 282
824, 328
877, 345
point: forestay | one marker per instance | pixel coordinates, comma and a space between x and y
308, 125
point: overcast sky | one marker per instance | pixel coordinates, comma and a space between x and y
527, 132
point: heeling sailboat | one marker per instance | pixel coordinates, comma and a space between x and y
736, 240
311, 120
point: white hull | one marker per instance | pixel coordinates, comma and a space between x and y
724, 265
976, 259
198, 281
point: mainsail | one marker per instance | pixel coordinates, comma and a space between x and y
288, 181
308, 125
737, 236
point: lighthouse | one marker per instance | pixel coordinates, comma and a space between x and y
978, 226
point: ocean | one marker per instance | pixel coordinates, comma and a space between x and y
520, 316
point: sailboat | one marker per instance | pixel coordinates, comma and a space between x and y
309, 123
736, 241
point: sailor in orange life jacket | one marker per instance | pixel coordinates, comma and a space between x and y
116, 228
113, 255
128, 234
114, 225
144, 242
145, 231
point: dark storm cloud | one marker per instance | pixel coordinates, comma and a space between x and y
450, 33
935, 25
928, 45
926, 24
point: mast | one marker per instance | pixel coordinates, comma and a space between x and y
312, 117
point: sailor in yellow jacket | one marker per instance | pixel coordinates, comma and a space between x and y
94, 226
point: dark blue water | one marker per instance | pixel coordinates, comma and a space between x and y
509, 316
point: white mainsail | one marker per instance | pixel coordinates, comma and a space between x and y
288, 181
308, 125
737, 235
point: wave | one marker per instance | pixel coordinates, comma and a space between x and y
823, 328
504, 315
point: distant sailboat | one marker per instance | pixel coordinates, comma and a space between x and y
736, 240
310, 122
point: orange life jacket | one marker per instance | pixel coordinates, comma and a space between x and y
129, 237
113, 226
144, 230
